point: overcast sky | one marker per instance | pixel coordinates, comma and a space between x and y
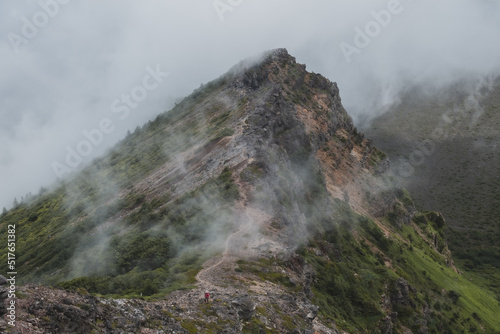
65, 64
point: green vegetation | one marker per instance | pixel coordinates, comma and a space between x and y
376, 157
353, 277
254, 171
152, 261
463, 166
141, 255
264, 270
225, 132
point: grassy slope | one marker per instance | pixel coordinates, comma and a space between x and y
461, 178
349, 289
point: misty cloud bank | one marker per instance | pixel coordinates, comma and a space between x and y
65, 62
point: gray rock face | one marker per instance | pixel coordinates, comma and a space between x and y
400, 295
386, 326
245, 307
313, 312
309, 275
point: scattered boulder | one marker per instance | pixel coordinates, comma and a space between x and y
386, 326
245, 307
313, 312
400, 294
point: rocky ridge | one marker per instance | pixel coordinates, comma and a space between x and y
301, 169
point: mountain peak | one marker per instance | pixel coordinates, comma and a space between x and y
280, 55
255, 70
278, 68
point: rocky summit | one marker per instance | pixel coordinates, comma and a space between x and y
257, 189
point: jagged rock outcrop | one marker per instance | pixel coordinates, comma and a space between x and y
387, 327
400, 294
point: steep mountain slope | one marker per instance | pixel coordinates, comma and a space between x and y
258, 188
457, 169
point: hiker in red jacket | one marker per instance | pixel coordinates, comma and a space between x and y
207, 295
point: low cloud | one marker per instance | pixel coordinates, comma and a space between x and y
63, 79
